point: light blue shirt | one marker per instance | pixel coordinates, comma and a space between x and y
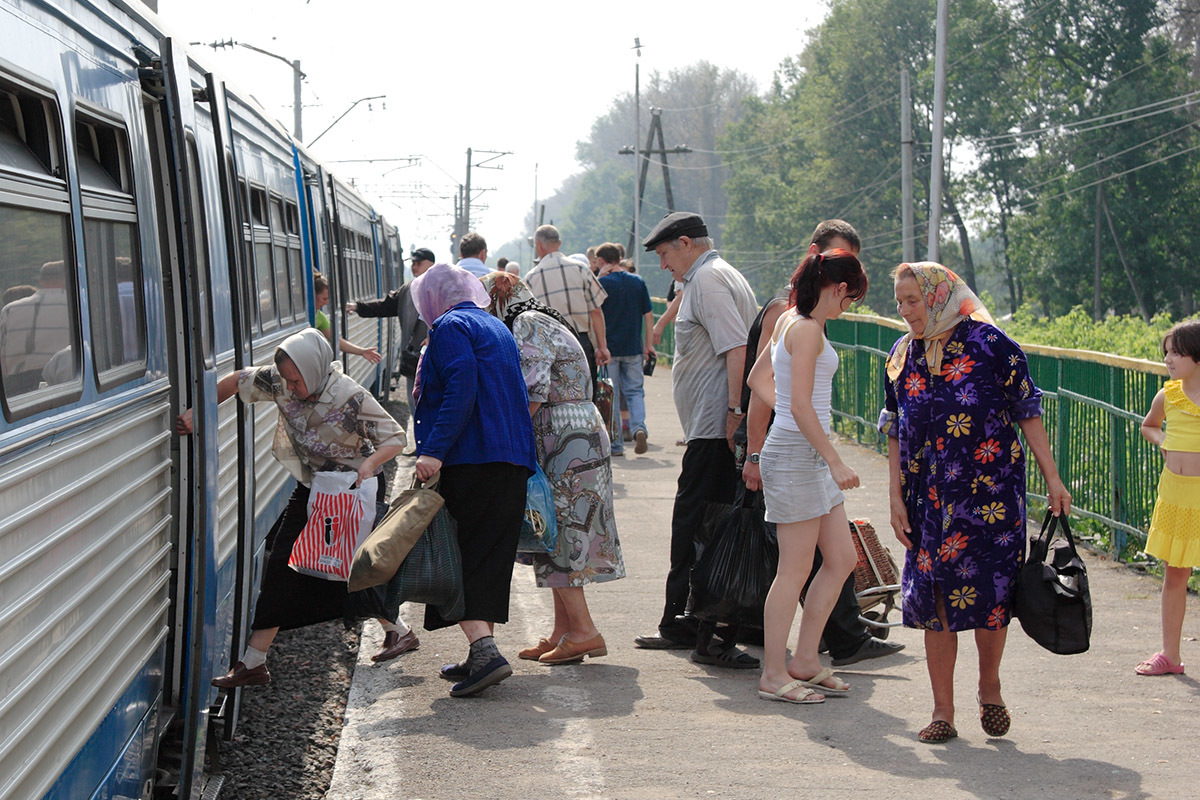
474, 266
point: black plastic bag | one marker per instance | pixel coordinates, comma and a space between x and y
737, 565
432, 571
1052, 599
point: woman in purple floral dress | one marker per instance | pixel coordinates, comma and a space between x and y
955, 386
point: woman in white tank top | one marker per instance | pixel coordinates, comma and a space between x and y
803, 476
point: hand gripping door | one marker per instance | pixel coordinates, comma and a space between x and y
339, 518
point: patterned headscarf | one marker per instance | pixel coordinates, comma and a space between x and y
949, 301
510, 297
442, 287
310, 351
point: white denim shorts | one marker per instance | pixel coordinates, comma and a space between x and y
797, 484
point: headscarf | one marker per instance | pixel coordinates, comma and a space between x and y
310, 351
949, 301
442, 287
510, 297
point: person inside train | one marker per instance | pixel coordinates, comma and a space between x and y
320, 300
33, 329
327, 421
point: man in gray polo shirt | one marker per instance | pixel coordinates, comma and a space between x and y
710, 351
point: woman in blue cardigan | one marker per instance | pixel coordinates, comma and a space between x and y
472, 423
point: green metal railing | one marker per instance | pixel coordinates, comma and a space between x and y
666, 347
1092, 404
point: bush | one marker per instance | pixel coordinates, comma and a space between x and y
1121, 335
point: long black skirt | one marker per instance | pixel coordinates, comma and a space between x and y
487, 502
291, 600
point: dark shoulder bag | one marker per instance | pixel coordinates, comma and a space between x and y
1052, 600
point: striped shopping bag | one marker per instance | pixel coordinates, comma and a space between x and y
339, 518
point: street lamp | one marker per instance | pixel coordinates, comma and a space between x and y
344, 113
297, 74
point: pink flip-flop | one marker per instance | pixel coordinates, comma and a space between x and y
1158, 664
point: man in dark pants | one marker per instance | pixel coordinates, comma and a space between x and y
846, 637
710, 350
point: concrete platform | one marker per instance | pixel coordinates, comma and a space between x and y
646, 724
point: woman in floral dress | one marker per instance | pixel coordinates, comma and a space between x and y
574, 451
955, 386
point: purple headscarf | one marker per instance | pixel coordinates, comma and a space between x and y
442, 287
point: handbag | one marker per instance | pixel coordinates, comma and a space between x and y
605, 395
539, 530
431, 573
339, 518
385, 548
409, 358
1052, 598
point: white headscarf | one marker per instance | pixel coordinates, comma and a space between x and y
444, 286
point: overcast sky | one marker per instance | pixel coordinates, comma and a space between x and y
523, 77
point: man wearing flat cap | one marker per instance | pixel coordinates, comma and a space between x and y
398, 303
711, 328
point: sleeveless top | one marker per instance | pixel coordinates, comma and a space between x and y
1183, 420
826, 366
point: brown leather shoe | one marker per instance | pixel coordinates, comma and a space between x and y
537, 651
396, 645
241, 676
568, 652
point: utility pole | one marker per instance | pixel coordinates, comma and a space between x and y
297, 76
467, 203
1097, 302
637, 134
906, 172
656, 130
939, 121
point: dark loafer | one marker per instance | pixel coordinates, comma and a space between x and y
395, 645
241, 676
455, 672
730, 658
871, 648
663, 643
492, 673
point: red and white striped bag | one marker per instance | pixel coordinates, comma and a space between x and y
339, 519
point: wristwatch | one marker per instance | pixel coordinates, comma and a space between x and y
736, 411
752, 458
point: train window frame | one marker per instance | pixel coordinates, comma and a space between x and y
37, 186
295, 257
260, 235
203, 257
103, 170
279, 258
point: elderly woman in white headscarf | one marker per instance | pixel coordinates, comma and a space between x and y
574, 451
472, 424
327, 422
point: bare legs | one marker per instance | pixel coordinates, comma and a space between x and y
797, 540
1174, 603
941, 654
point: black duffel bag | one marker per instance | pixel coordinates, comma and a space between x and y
1053, 601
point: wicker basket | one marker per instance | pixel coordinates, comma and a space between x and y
876, 569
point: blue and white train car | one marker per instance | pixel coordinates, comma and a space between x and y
159, 231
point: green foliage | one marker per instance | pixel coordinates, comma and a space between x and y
1122, 335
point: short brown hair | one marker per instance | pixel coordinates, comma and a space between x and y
1185, 339
831, 229
472, 245
320, 283
608, 253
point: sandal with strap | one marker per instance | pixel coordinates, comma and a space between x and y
937, 732
817, 683
1158, 664
994, 719
730, 658
806, 697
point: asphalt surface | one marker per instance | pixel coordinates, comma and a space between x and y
651, 724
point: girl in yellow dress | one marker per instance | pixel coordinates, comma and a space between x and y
1175, 528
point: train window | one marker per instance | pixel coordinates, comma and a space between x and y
283, 291
37, 322
200, 248
39, 333
116, 291
295, 262
264, 273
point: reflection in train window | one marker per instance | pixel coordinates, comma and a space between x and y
295, 262
115, 296
37, 324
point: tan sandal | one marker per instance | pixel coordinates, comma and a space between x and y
817, 682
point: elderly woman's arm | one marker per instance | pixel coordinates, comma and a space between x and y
1039, 443
900, 524
226, 388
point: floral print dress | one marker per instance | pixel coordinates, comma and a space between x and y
962, 474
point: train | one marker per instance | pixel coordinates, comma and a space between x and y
159, 229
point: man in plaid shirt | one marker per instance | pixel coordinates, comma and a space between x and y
571, 289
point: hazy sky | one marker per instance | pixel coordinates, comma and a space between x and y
524, 77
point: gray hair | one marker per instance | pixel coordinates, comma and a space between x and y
547, 233
702, 242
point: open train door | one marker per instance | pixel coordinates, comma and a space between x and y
239, 315
170, 117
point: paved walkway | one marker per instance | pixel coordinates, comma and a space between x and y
644, 724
